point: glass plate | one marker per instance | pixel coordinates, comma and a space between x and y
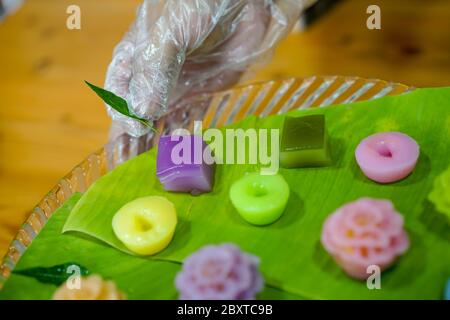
217, 109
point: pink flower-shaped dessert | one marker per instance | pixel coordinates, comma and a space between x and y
363, 233
219, 272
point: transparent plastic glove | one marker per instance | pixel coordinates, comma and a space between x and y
177, 48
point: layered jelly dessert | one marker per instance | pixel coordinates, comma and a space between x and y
304, 142
180, 166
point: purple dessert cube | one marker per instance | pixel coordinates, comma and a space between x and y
184, 172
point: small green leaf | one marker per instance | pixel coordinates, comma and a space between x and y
53, 275
117, 103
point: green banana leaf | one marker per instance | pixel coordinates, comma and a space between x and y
293, 262
138, 278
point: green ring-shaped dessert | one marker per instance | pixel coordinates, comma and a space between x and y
260, 199
440, 195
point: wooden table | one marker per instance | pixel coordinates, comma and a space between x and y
49, 120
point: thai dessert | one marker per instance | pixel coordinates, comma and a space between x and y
146, 225
387, 156
304, 142
219, 272
260, 199
440, 194
364, 233
92, 287
180, 165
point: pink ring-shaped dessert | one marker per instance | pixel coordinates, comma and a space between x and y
388, 156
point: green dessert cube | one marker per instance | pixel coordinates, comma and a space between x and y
304, 142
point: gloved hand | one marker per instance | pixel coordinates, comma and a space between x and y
177, 48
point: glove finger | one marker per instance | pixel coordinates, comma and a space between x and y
117, 81
119, 72
180, 30
223, 67
284, 14
155, 68
127, 124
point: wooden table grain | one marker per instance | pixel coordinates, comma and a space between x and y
49, 120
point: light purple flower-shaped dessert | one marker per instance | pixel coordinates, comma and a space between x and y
219, 272
180, 166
